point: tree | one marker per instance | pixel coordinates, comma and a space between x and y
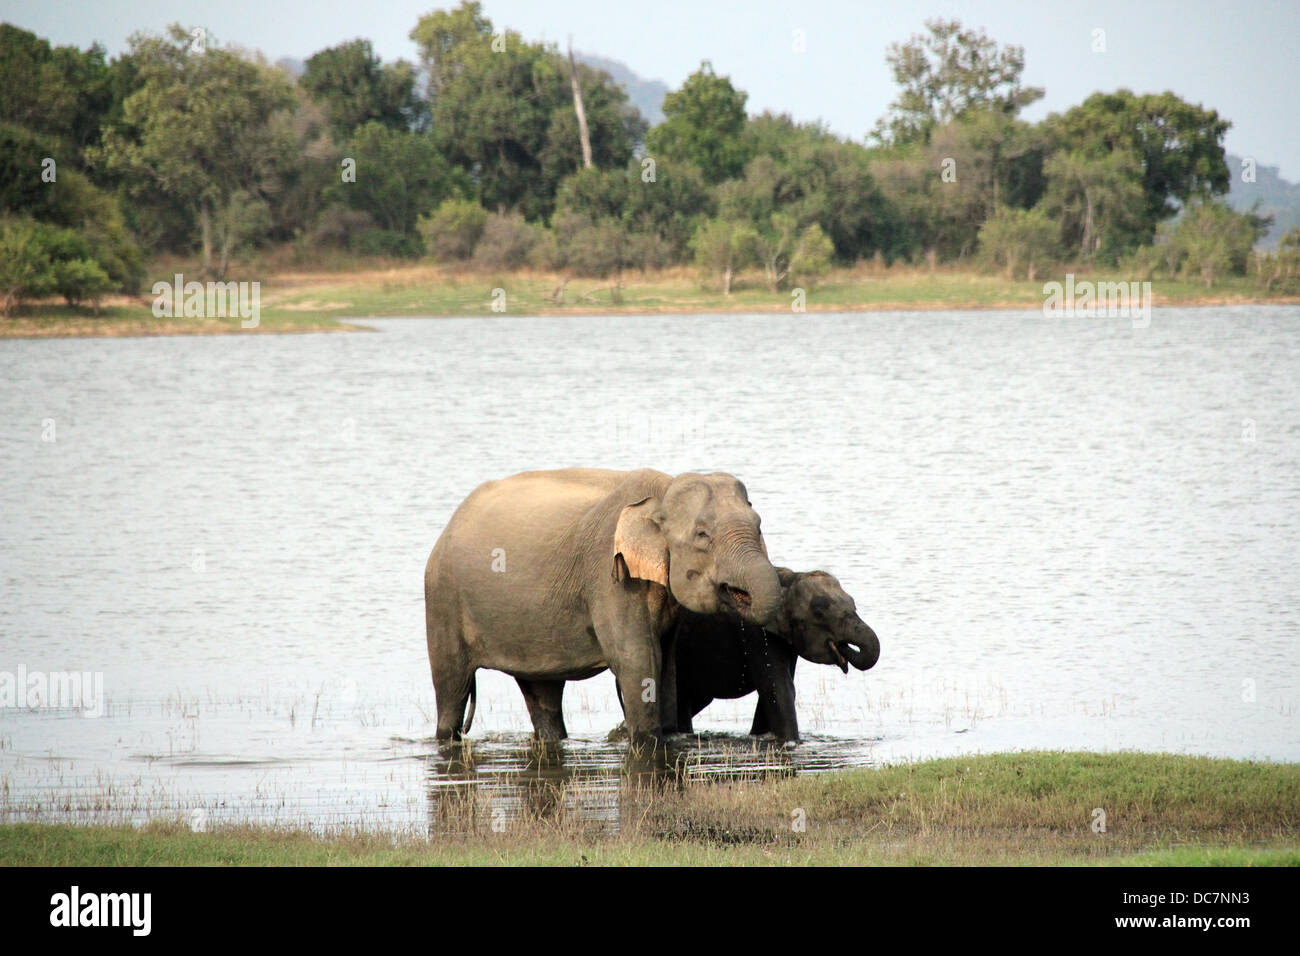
1098, 202
722, 248
947, 73
73, 202
355, 88
704, 125
820, 178
1016, 237
657, 215
783, 250
1177, 148
1216, 239
505, 116
400, 176
61, 92
811, 258
197, 133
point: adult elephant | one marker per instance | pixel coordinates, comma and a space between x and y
555, 575
717, 657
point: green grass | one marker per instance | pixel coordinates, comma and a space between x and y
324, 299
1004, 809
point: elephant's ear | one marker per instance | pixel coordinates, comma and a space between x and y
640, 548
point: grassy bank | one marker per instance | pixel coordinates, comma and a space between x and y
320, 300
1033, 808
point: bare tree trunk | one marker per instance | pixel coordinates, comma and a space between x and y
1087, 224
205, 225
577, 108
726, 281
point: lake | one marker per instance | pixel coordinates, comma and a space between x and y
1069, 533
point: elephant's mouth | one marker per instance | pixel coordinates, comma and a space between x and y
846, 652
840, 662
735, 598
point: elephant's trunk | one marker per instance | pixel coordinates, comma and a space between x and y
862, 650
750, 587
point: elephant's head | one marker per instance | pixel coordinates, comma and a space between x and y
700, 539
821, 620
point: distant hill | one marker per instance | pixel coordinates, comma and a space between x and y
646, 95
1277, 197
291, 65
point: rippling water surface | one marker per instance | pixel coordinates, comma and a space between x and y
1067, 533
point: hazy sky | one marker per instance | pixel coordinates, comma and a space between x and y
1241, 58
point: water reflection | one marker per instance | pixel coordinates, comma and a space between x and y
491, 783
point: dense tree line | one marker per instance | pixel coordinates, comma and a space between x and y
183, 146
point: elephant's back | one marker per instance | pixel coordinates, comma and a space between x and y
523, 507
548, 496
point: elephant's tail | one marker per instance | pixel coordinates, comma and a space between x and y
473, 702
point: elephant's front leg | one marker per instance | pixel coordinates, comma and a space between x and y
545, 700
639, 680
636, 658
773, 674
668, 689
630, 621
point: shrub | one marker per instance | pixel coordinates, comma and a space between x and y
37, 260
81, 280
387, 242
1281, 269
453, 229
722, 247
811, 258
1216, 240
336, 225
505, 243
25, 267
1015, 238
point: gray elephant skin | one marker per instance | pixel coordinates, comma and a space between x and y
719, 657
552, 576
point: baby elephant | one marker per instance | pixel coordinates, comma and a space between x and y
723, 657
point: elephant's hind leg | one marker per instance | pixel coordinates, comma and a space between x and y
545, 706
451, 692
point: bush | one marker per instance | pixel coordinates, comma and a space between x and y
722, 248
1013, 238
75, 204
81, 280
453, 229
336, 225
1281, 269
387, 242
25, 267
505, 243
1216, 240
811, 258
37, 260
547, 253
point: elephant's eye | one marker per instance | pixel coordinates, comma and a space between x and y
701, 536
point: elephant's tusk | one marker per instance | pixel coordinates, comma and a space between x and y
839, 658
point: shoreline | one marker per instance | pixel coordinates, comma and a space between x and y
1021, 808
334, 301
